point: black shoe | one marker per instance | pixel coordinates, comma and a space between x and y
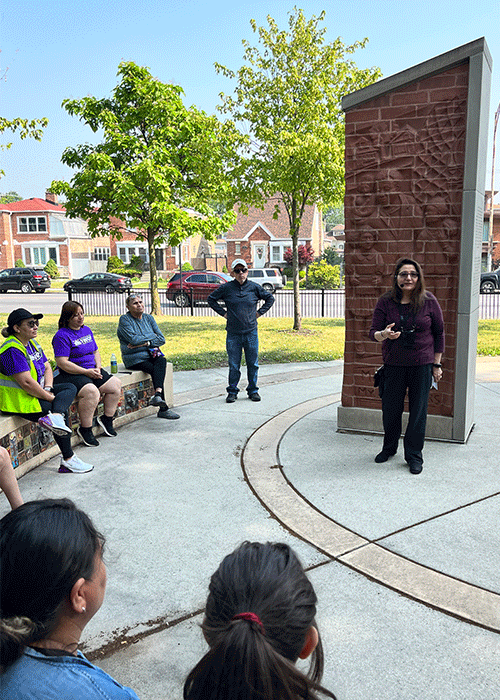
231, 398
254, 397
167, 413
415, 467
156, 400
87, 436
106, 424
383, 456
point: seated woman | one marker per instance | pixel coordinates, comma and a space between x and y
26, 385
41, 633
8, 481
140, 341
259, 619
79, 362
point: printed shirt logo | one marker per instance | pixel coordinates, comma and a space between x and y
82, 341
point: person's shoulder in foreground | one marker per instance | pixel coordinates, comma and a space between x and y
61, 678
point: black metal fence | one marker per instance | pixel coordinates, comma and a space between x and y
315, 303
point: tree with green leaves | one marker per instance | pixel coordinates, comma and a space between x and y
158, 167
27, 128
9, 197
288, 95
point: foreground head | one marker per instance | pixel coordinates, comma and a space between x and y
408, 278
259, 619
21, 323
47, 549
135, 305
72, 315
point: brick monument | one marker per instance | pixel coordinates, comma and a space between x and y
415, 171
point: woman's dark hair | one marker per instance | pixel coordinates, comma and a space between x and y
69, 308
247, 661
419, 294
45, 547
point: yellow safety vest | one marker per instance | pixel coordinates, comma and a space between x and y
13, 399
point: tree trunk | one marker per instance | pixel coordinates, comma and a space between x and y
155, 297
297, 319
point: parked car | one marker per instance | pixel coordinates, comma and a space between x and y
490, 282
268, 277
196, 285
24, 279
99, 282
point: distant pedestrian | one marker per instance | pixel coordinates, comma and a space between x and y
241, 297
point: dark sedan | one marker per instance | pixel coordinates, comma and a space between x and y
99, 282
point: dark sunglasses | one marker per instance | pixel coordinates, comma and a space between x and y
32, 324
240, 269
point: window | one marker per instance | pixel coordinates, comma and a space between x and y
39, 255
276, 254
101, 254
486, 230
237, 248
32, 224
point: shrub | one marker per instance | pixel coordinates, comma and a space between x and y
135, 263
114, 264
19, 263
324, 276
224, 269
187, 267
51, 269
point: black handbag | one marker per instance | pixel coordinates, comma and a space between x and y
379, 380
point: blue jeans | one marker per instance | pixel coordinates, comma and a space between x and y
235, 343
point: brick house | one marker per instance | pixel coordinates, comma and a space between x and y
261, 240
36, 230
496, 231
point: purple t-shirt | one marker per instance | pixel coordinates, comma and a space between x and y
79, 346
13, 361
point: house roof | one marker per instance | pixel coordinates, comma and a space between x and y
33, 204
279, 228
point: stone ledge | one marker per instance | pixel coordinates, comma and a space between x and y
29, 445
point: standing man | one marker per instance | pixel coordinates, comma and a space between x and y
241, 297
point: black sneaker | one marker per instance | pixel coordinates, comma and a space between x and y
87, 436
106, 424
156, 400
167, 413
415, 467
231, 398
255, 396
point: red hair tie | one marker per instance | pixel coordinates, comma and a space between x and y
250, 617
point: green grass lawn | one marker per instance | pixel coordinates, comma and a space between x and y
200, 342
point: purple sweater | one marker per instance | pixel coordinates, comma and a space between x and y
428, 337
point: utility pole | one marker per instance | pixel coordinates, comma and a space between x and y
489, 255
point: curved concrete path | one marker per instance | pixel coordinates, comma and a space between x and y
388, 552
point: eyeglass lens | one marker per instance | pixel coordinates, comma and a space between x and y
413, 275
32, 324
240, 269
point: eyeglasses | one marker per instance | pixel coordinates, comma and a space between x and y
413, 275
32, 324
239, 270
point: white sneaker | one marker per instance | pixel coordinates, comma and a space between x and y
55, 423
76, 465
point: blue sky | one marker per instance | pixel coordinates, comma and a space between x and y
72, 48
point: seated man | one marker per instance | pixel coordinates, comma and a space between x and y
140, 340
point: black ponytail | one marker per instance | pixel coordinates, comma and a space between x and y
252, 659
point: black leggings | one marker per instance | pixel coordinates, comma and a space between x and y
157, 368
64, 395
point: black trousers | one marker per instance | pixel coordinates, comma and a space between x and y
417, 380
157, 368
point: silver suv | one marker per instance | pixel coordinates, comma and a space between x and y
269, 277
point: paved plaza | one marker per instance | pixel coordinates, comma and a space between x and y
405, 566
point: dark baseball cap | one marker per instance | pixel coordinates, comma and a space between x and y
19, 315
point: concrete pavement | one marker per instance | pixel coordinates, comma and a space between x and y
405, 566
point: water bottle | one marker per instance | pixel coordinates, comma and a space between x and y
113, 364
